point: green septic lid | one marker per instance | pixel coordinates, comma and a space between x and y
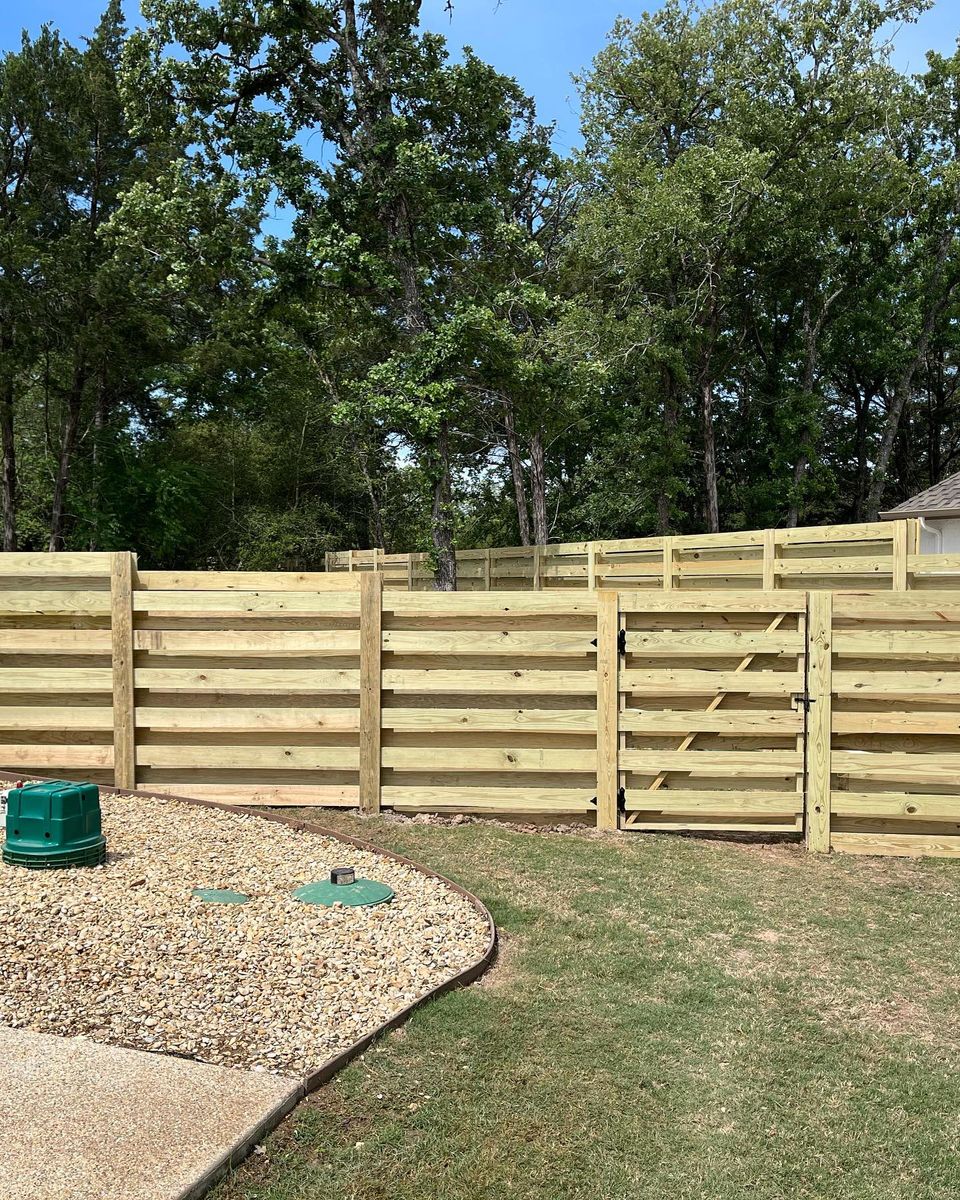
364, 891
54, 824
219, 896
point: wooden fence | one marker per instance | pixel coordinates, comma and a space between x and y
832, 714
880, 556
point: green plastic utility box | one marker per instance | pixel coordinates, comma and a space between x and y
54, 824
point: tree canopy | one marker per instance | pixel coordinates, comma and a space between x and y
277, 279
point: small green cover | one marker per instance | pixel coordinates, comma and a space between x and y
54, 824
219, 896
363, 891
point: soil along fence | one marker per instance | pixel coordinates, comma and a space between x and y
882, 556
832, 714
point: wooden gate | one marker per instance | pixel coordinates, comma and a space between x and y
711, 716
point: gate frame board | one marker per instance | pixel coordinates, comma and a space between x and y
786, 687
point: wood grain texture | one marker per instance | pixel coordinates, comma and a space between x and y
819, 729
608, 696
122, 567
371, 617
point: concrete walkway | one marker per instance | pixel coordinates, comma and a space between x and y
82, 1121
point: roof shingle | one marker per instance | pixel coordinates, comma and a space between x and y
941, 500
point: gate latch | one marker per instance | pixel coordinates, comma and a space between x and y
802, 700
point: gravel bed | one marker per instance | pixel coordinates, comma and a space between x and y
123, 954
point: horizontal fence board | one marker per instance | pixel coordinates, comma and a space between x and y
288, 758
740, 804
247, 720
233, 643
260, 795
60, 718
502, 683
549, 801
22, 603
63, 565
55, 641
899, 722
896, 685
244, 581
237, 605
908, 806
714, 602
706, 683
899, 644
465, 642
489, 720
900, 844
729, 722
56, 757
714, 643
250, 682
760, 763
465, 759
51, 680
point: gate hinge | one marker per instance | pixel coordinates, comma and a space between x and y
621, 799
802, 700
621, 641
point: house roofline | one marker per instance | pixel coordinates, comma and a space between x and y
899, 514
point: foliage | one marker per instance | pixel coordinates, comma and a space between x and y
277, 279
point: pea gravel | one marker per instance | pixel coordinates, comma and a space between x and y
124, 955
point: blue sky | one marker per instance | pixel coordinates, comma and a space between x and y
541, 42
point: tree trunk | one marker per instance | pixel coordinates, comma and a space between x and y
811, 336
9, 484
898, 402
375, 526
799, 471
445, 576
861, 407
516, 473
666, 491
99, 425
938, 293
68, 442
538, 489
712, 507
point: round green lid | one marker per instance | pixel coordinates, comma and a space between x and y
364, 891
219, 896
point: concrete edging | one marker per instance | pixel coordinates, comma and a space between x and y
322, 1074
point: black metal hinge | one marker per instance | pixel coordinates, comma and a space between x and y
802, 700
621, 800
621, 642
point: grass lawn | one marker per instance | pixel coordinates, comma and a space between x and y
668, 1018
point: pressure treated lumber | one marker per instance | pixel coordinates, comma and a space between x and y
608, 694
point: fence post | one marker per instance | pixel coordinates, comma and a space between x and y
536, 568
371, 619
486, 570
769, 560
592, 566
900, 551
819, 718
608, 708
668, 564
121, 637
